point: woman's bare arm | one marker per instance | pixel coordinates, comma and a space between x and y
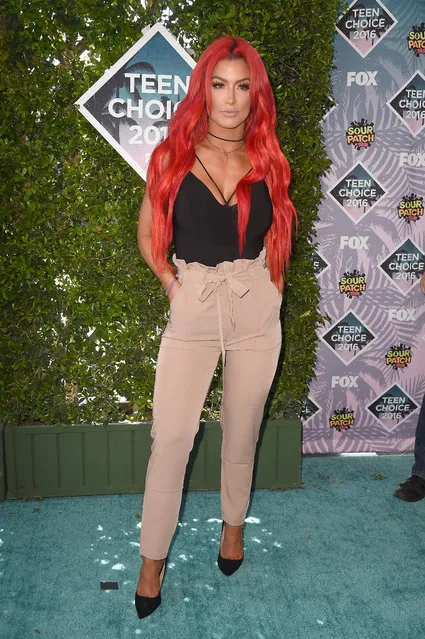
144, 238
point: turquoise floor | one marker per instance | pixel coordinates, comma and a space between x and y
339, 558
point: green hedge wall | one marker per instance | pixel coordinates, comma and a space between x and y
80, 310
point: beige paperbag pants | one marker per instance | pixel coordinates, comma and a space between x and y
233, 309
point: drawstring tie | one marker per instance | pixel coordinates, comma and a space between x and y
234, 286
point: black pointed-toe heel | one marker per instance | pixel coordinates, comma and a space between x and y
227, 566
145, 606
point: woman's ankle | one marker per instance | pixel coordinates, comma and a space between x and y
233, 530
152, 566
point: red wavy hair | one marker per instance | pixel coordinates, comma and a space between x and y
174, 157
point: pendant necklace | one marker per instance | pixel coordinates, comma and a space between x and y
224, 139
227, 153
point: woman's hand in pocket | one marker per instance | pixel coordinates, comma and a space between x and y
173, 290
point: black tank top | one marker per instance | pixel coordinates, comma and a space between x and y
206, 231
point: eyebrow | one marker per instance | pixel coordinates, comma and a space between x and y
217, 77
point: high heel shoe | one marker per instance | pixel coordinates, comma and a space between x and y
227, 566
146, 605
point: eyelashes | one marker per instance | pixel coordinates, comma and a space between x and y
219, 85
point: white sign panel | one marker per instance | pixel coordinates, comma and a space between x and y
131, 104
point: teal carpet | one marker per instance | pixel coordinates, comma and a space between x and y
340, 558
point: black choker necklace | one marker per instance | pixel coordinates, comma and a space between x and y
225, 139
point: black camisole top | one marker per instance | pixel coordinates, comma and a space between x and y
206, 231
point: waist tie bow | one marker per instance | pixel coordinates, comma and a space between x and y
234, 286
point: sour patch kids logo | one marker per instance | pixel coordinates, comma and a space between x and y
411, 208
416, 39
352, 284
398, 356
360, 134
341, 419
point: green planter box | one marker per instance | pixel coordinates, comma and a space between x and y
48, 461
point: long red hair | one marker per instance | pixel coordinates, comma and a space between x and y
174, 157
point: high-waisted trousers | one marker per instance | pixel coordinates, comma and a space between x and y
232, 309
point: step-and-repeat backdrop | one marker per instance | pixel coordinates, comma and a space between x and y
370, 373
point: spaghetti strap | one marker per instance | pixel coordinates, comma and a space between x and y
215, 183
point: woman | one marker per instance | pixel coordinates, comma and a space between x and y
218, 186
